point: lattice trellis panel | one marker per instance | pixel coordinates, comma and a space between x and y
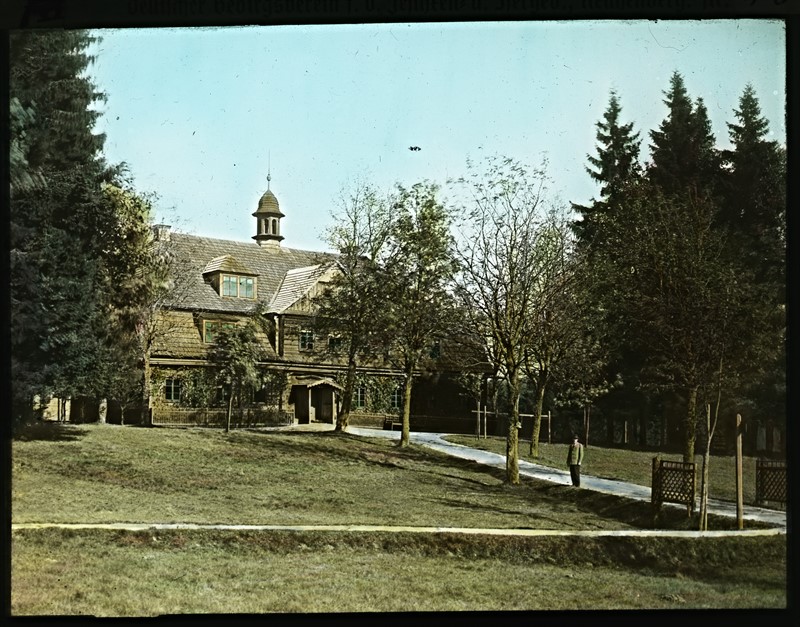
673, 482
770, 481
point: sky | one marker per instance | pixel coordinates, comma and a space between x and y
202, 116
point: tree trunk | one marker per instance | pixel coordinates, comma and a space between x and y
228, 413
587, 415
405, 436
690, 425
703, 526
537, 419
343, 417
512, 440
644, 415
146, 392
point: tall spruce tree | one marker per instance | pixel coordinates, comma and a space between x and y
755, 191
616, 168
616, 163
684, 157
754, 213
58, 226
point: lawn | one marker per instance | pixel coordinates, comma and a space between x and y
106, 473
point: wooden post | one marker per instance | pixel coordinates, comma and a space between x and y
655, 490
587, 413
739, 496
478, 421
625, 432
549, 432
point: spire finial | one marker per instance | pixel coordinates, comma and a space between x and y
269, 168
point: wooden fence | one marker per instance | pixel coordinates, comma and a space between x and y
673, 482
770, 481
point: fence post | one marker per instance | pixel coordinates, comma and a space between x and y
739, 495
655, 490
549, 431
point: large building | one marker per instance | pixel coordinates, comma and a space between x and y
221, 282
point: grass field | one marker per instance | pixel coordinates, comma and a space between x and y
97, 473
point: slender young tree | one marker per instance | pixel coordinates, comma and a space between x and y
417, 271
503, 234
236, 354
352, 310
558, 345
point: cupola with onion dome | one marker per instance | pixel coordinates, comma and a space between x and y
268, 219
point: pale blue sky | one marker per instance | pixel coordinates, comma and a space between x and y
198, 113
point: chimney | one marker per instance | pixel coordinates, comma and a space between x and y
161, 232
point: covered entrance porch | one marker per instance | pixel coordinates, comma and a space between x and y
314, 399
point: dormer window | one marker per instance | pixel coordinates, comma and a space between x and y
238, 286
230, 278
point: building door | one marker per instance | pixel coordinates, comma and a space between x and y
322, 400
300, 395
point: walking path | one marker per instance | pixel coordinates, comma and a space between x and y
437, 442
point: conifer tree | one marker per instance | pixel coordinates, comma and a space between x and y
684, 158
614, 166
58, 221
754, 213
755, 191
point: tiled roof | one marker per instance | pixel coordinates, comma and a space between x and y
226, 263
296, 284
193, 254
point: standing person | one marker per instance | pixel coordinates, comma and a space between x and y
574, 459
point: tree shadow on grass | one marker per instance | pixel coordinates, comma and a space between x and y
48, 431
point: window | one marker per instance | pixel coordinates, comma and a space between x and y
397, 398
229, 286
306, 340
359, 396
238, 286
246, 287
334, 344
172, 389
211, 328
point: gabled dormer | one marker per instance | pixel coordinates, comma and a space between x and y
231, 279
